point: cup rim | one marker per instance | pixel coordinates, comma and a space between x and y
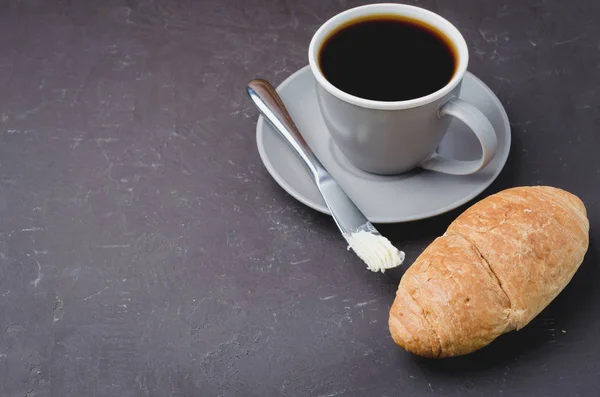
413, 12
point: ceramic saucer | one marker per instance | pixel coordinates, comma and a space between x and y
383, 199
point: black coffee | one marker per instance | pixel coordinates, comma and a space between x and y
387, 58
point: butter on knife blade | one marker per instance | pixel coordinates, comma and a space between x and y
375, 250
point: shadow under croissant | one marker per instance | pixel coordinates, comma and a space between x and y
565, 318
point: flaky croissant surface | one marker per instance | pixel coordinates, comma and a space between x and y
499, 264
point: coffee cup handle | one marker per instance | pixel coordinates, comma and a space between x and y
480, 126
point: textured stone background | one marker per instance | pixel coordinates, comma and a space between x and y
145, 251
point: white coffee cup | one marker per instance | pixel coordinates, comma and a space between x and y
394, 137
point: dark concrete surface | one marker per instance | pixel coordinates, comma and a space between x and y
145, 251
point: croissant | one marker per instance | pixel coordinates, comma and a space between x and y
499, 264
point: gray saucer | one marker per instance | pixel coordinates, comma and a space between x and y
383, 199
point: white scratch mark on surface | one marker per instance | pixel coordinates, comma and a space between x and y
77, 142
489, 38
328, 297
16, 132
2, 355
39, 275
26, 113
574, 39
98, 141
503, 79
96, 293
114, 246
246, 112
337, 393
299, 262
57, 311
361, 304
33, 229
110, 164
176, 135
532, 43
6, 293
196, 305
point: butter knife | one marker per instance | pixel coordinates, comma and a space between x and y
373, 248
